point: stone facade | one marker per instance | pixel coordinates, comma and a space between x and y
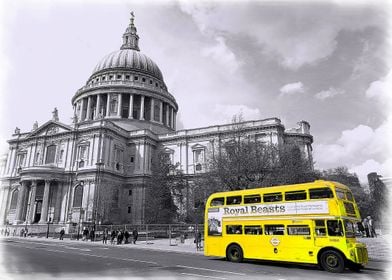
95, 169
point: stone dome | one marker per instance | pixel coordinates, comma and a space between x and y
129, 59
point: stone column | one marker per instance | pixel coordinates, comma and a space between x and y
141, 108
174, 120
167, 115
119, 105
88, 117
130, 114
32, 202
161, 113
98, 106
172, 117
20, 206
45, 203
57, 205
82, 115
152, 110
108, 106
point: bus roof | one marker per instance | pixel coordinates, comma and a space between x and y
316, 183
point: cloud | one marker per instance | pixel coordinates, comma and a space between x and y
380, 89
371, 165
331, 92
291, 89
222, 55
305, 34
362, 149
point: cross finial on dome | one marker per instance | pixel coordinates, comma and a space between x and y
130, 37
132, 17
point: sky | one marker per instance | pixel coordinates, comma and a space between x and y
326, 62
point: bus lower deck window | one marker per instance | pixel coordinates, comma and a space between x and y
233, 229
274, 229
253, 230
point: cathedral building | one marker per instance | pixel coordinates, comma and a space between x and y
96, 168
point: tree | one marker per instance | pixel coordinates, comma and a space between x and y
242, 162
164, 189
292, 168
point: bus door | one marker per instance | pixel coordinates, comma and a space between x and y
300, 243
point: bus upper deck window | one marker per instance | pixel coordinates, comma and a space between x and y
254, 198
320, 193
296, 195
230, 200
271, 197
349, 196
218, 201
340, 194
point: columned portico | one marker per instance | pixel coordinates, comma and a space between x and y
45, 203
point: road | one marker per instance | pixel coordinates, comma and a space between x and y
39, 259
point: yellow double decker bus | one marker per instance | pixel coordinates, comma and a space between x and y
310, 223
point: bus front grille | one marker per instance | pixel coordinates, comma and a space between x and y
361, 254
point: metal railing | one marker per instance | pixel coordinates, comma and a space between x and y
174, 233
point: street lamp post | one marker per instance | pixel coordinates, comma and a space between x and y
47, 231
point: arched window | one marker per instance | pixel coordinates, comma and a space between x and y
50, 154
14, 199
78, 196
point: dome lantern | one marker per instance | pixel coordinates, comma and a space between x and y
130, 37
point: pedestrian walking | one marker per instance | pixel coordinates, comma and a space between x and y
105, 236
361, 229
372, 228
198, 240
126, 236
365, 223
120, 237
135, 235
92, 235
26, 232
62, 232
112, 237
85, 234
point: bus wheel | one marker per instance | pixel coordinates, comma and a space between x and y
234, 253
332, 261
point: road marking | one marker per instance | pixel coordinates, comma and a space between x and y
115, 258
213, 270
205, 276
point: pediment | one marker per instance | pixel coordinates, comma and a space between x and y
198, 147
50, 128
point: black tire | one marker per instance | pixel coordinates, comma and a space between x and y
332, 261
234, 253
